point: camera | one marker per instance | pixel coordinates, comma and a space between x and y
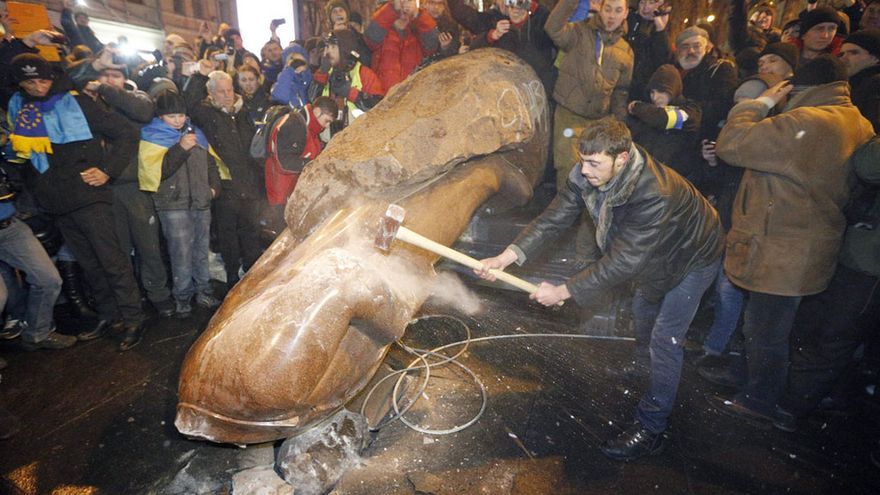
663, 10
221, 56
189, 130
278, 22
230, 47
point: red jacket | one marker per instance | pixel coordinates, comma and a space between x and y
396, 57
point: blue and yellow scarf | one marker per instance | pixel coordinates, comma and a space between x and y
36, 125
156, 138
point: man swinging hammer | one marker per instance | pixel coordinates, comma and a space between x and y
652, 228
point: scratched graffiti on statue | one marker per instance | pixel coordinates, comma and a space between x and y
308, 326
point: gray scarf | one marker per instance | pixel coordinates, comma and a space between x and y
600, 202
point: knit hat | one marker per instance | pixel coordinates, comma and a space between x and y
785, 51
666, 79
332, 4
869, 39
823, 13
30, 66
690, 33
823, 69
170, 102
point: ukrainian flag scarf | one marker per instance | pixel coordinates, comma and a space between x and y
156, 138
37, 124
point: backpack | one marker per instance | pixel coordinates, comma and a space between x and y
261, 137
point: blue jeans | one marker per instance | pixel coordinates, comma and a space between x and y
728, 306
187, 233
667, 323
21, 250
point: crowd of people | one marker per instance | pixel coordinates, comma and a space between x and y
733, 157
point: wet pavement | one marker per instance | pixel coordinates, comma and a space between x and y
98, 421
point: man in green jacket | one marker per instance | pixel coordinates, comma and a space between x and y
594, 75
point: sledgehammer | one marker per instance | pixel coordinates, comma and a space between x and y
390, 228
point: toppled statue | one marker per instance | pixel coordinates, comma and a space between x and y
308, 326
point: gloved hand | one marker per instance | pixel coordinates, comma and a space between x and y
340, 84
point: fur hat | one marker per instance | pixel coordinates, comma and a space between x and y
785, 51
823, 69
30, 66
869, 39
666, 79
823, 13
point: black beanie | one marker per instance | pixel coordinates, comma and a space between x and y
666, 79
818, 15
170, 102
869, 39
823, 69
30, 66
785, 51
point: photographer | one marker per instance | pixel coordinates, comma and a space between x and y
273, 61
341, 76
292, 87
234, 47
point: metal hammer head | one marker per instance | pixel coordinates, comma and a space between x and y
388, 226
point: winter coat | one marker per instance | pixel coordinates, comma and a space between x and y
137, 107
256, 106
596, 72
866, 93
61, 189
292, 88
861, 244
651, 49
711, 84
787, 216
652, 227
230, 134
669, 134
529, 41
190, 177
396, 54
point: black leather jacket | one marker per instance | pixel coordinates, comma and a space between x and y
657, 227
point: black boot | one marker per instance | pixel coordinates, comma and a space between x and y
634, 443
132, 336
99, 330
72, 289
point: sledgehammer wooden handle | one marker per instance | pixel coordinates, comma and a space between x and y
410, 237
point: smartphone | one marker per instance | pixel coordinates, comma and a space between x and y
221, 56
